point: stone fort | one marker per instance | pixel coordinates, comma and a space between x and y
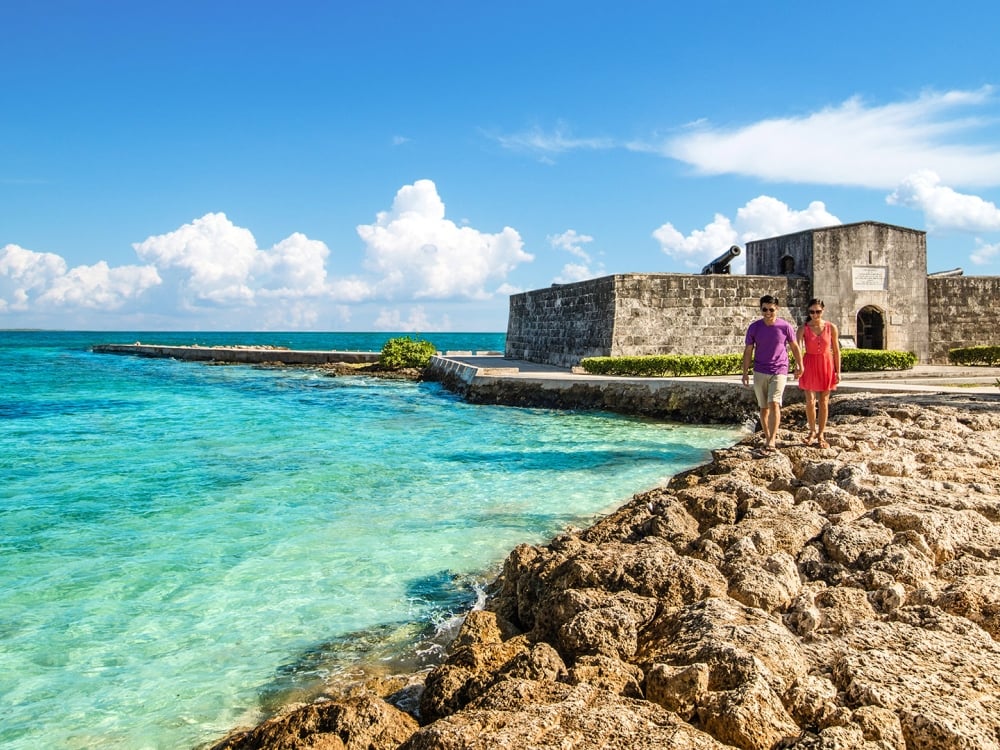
872, 277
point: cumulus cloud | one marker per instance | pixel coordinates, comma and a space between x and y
851, 144
411, 252
572, 242
943, 207
44, 280
221, 264
761, 217
416, 252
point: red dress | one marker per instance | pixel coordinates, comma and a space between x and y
818, 373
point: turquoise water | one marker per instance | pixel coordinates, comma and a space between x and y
185, 546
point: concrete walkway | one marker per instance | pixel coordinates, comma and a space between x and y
921, 379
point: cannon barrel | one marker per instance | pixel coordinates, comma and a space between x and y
721, 264
941, 274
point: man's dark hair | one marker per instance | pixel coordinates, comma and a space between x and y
767, 299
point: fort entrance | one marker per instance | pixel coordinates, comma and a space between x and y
871, 328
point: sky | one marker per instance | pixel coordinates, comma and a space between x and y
401, 166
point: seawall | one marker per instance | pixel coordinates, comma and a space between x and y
482, 380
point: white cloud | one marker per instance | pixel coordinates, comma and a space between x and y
761, 217
295, 267
222, 264
417, 321
29, 279
852, 144
416, 252
943, 207
572, 242
557, 141
100, 287
985, 254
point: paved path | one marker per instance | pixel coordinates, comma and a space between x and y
921, 379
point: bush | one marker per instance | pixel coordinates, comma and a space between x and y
676, 365
406, 352
664, 365
982, 356
874, 360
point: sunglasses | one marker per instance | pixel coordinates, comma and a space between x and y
815, 312
768, 309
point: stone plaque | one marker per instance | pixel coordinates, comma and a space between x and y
869, 278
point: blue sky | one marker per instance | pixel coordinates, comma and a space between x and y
397, 166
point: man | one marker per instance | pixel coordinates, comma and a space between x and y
767, 343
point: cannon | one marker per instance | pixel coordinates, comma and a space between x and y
721, 264
944, 274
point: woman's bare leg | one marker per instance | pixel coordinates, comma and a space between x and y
811, 416
824, 410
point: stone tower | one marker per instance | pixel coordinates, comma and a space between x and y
872, 277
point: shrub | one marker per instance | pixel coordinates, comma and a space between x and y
983, 356
873, 360
664, 365
406, 351
675, 365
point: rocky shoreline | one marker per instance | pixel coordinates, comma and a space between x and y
838, 598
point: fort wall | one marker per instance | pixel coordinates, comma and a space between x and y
871, 276
641, 314
958, 310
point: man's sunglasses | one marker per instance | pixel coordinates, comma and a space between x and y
768, 309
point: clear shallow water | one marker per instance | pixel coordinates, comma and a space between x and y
182, 544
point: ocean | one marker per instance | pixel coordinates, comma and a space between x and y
184, 547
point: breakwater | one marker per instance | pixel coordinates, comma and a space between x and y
238, 354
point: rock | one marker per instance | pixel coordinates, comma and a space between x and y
846, 598
361, 723
560, 717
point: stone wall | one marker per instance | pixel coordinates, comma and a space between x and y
855, 266
640, 314
562, 324
959, 310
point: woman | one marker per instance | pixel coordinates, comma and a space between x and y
819, 340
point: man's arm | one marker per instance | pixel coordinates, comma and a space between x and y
747, 361
797, 353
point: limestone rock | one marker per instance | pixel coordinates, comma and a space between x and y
560, 717
362, 723
839, 599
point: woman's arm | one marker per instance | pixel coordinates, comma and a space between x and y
835, 345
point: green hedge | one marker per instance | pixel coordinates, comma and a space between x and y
988, 356
675, 365
873, 360
664, 365
406, 352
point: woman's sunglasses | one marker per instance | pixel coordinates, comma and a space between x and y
815, 312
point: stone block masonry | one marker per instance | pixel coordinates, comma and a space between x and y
642, 314
960, 312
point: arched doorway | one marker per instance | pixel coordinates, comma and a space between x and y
787, 265
871, 328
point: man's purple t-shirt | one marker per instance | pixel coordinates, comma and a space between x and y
770, 354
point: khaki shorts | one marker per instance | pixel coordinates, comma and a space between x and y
768, 388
